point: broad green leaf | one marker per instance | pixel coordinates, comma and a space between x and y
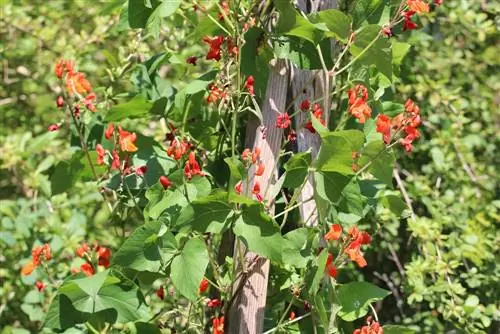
335, 155
138, 107
380, 159
329, 185
363, 9
304, 29
295, 249
373, 49
353, 202
355, 298
338, 24
62, 314
259, 232
188, 268
168, 7
302, 53
144, 328
399, 51
394, 203
120, 299
144, 250
208, 214
172, 202
297, 169
237, 173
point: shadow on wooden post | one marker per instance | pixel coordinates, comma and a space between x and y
246, 316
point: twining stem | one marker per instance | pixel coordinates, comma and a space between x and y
360, 54
272, 330
374, 312
290, 208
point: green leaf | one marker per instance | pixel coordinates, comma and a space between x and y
168, 7
171, 204
363, 10
329, 185
295, 249
394, 203
144, 250
396, 329
259, 232
356, 297
255, 57
302, 53
392, 109
208, 214
136, 108
297, 169
321, 311
337, 23
376, 49
335, 155
66, 173
118, 299
62, 314
237, 173
188, 268
138, 14
381, 161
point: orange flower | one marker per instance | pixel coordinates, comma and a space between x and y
82, 250
28, 268
238, 187
255, 154
76, 83
109, 131
256, 191
356, 256
358, 108
334, 233
165, 182
101, 152
127, 140
418, 6
103, 255
177, 149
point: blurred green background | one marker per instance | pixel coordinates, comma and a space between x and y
440, 264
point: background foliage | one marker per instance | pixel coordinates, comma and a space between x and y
440, 264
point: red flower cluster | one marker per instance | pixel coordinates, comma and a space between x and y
249, 85
334, 233
318, 113
283, 121
91, 253
215, 44
409, 121
252, 158
177, 148
40, 286
218, 325
356, 239
358, 106
215, 93
126, 143
214, 302
76, 83
372, 327
192, 167
38, 254
305, 105
408, 24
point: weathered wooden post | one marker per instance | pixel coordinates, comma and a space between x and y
247, 313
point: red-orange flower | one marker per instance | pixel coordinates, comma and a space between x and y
256, 191
54, 127
192, 167
39, 285
101, 152
160, 293
127, 140
372, 327
192, 60
249, 85
214, 302
177, 149
318, 114
87, 269
109, 131
115, 164
408, 24
418, 6
283, 121
292, 316
215, 93
215, 45
305, 105
358, 107
103, 255
334, 233
203, 285
82, 250
330, 268
218, 325
165, 182
384, 127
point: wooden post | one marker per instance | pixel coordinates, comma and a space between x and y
310, 85
246, 316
